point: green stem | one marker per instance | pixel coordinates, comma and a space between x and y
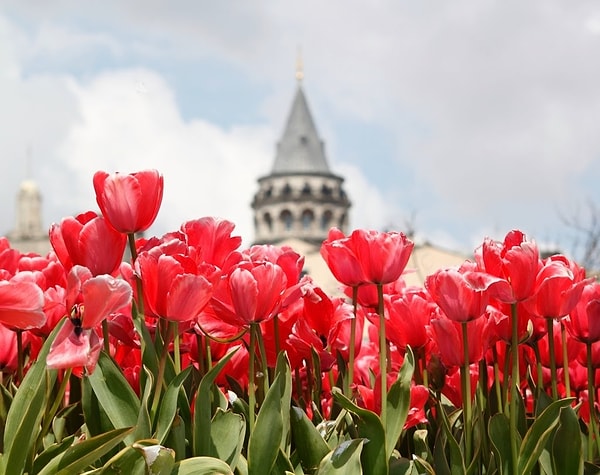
465, 375
593, 429
263, 358
60, 396
351, 348
497, 386
276, 335
20, 356
540, 374
251, 376
176, 349
105, 336
382, 355
161, 372
515, 379
550, 324
565, 356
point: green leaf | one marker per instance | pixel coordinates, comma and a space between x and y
310, 446
265, 439
168, 406
499, 433
282, 368
117, 398
82, 454
54, 450
457, 463
398, 402
202, 466
25, 415
227, 433
567, 450
343, 460
202, 408
176, 439
538, 434
369, 427
159, 460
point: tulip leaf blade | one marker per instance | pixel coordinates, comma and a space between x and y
202, 409
201, 466
500, 437
538, 434
227, 433
345, 459
168, 405
117, 398
398, 402
82, 454
567, 450
265, 439
310, 445
27, 411
370, 428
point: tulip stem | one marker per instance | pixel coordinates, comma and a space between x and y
161, 371
60, 397
550, 324
251, 378
514, 385
466, 392
382, 355
105, 335
352, 349
565, 356
20, 355
176, 349
593, 429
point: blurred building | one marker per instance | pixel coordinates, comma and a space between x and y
301, 199
29, 234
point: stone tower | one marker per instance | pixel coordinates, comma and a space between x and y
29, 234
300, 198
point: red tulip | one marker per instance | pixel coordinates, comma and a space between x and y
174, 286
515, 260
557, 290
448, 337
21, 304
251, 293
88, 240
342, 260
8, 350
382, 256
462, 295
583, 323
408, 319
92, 299
129, 202
212, 239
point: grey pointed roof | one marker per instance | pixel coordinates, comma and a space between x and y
300, 149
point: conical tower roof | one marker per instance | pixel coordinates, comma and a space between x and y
300, 149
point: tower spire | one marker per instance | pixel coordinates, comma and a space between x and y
299, 66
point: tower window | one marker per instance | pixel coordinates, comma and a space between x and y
268, 221
307, 219
287, 190
287, 220
306, 191
326, 220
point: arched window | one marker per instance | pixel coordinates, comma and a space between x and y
287, 190
326, 220
307, 219
286, 219
306, 191
268, 221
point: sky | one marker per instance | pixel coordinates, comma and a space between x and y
461, 120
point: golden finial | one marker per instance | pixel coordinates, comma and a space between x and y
299, 66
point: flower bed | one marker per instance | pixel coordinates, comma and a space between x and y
194, 356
